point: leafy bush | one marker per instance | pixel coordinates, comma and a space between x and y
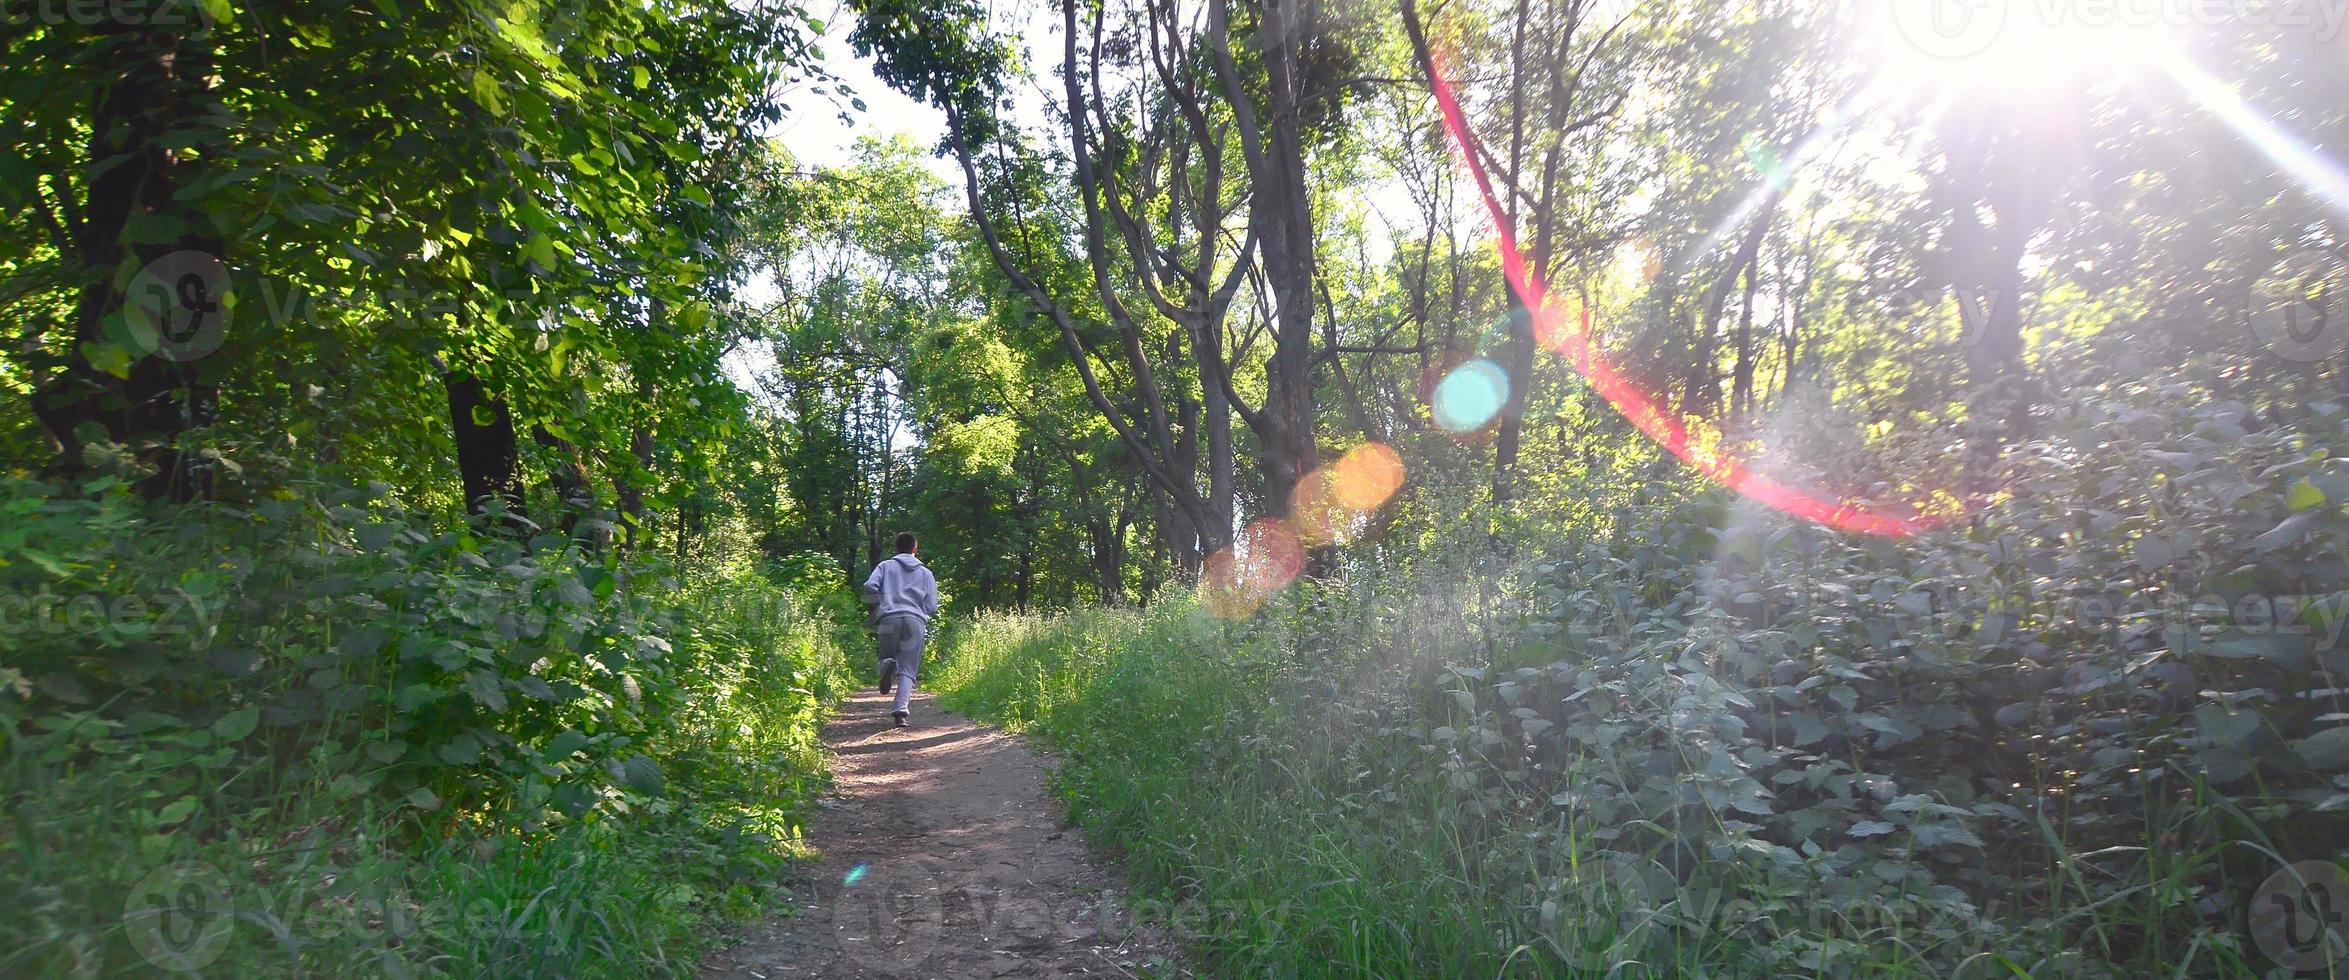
2066, 738
322, 704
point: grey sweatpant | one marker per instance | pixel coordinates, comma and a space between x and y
902, 635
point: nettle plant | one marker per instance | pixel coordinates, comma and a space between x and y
348, 642
2101, 711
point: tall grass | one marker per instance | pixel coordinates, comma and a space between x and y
125, 849
1298, 824
1191, 746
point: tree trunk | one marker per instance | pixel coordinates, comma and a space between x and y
1996, 186
640, 446
1150, 568
1027, 566
487, 452
1704, 380
567, 483
1115, 580
1283, 214
158, 396
1741, 391
1217, 420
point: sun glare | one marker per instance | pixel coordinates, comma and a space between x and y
2019, 48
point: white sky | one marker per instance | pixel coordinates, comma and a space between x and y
813, 128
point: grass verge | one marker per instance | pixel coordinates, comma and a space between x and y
1382, 823
133, 845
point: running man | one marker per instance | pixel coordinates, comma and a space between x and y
904, 596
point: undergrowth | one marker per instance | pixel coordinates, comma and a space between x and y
1699, 740
320, 734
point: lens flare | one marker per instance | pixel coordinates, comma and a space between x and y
1469, 397
2295, 156
1564, 332
1765, 160
1238, 579
1637, 406
1367, 476
1314, 510
1273, 554
1221, 591
1329, 504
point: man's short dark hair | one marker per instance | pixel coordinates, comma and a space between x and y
906, 542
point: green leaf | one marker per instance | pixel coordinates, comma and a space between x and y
363, 642
351, 785
640, 773
638, 77
178, 810
2221, 727
46, 561
1938, 834
483, 687
237, 724
2290, 531
463, 750
563, 745
1808, 727
2304, 496
449, 656
110, 358
2325, 751
2223, 765
485, 91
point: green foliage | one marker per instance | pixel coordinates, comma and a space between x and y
1556, 708
325, 700
903, 393
2067, 738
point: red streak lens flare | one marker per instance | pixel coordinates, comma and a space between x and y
1570, 337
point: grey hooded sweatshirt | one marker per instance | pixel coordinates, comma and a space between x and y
902, 584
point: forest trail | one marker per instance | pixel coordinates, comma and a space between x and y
942, 857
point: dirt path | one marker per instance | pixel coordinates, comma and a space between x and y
943, 858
